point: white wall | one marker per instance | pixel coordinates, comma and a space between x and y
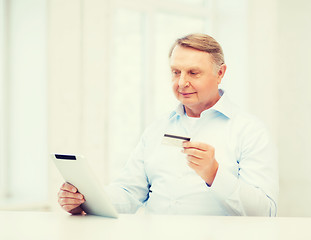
294, 83
279, 83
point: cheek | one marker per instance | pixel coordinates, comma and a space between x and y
174, 86
206, 86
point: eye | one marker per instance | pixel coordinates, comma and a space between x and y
194, 73
175, 72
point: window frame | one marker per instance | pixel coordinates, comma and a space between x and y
4, 192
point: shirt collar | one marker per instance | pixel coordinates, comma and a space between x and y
223, 106
178, 112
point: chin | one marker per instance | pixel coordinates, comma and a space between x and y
187, 102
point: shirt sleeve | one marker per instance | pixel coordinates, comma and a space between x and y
131, 189
254, 190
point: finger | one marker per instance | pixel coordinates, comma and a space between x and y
71, 208
194, 152
70, 201
66, 194
197, 145
77, 210
193, 160
68, 187
193, 165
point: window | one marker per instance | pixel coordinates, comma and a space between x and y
23, 102
143, 32
125, 85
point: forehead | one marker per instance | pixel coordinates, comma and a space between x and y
186, 57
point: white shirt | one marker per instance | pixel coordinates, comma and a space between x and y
158, 177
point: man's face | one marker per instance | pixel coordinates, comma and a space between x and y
195, 79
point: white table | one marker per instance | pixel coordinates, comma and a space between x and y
45, 226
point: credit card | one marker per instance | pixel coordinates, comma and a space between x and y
174, 140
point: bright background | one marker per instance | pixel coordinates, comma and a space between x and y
88, 76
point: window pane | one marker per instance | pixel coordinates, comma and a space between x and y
27, 104
168, 29
125, 87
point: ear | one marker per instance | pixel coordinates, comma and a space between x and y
221, 72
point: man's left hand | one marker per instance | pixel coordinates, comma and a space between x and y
201, 158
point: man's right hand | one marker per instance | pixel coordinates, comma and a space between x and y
70, 199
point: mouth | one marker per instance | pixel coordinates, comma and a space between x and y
186, 94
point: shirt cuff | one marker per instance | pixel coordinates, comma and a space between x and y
225, 183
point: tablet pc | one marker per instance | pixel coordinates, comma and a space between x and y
76, 171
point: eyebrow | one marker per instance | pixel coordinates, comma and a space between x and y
187, 68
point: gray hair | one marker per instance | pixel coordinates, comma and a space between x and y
202, 42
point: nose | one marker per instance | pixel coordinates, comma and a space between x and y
182, 82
